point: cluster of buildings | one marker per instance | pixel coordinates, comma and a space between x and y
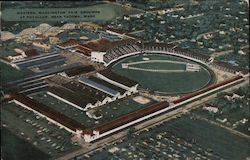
92, 91
86, 92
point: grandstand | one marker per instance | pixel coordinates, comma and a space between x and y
119, 52
104, 46
96, 48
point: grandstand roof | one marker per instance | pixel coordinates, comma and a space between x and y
203, 56
117, 78
98, 45
122, 91
98, 86
172, 46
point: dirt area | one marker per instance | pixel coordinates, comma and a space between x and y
141, 100
222, 75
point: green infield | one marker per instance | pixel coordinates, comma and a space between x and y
163, 74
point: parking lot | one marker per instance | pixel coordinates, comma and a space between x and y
180, 138
36, 130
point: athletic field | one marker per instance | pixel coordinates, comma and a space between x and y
163, 74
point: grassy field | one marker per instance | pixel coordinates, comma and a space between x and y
167, 83
161, 66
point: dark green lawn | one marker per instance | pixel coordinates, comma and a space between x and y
169, 83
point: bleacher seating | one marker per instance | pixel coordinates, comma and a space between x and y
117, 52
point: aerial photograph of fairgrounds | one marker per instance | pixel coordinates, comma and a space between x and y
125, 80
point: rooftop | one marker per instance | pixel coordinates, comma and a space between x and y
118, 78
